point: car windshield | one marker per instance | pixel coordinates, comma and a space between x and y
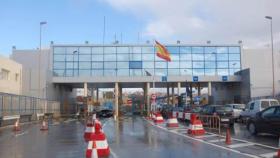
226, 108
239, 106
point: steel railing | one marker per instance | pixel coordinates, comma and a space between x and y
211, 121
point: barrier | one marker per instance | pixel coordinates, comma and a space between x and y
211, 122
195, 127
172, 122
101, 141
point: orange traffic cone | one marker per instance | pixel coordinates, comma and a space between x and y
44, 126
16, 126
278, 153
228, 137
91, 151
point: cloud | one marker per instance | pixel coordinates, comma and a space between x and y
220, 21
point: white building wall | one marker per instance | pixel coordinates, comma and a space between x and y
260, 64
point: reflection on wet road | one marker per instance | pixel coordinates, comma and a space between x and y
128, 137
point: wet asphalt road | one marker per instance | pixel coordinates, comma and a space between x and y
128, 137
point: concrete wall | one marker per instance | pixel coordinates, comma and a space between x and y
259, 63
13, 84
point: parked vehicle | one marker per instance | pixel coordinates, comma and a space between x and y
105, 113
256, 106
237, 109
225, 113
265, 121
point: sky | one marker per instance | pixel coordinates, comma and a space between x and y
133, 21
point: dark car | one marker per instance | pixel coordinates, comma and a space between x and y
265, 121
105, 113
223, 111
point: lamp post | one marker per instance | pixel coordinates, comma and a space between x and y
272, 54
39, 66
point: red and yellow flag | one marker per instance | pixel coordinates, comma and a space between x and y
162, 52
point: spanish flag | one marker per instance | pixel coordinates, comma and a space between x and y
162, 52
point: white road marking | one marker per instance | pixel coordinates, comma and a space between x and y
113, 153
20, 134
206, 136
240, 145
205, 142
216, 140
268, 155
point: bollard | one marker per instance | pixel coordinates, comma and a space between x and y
228, 137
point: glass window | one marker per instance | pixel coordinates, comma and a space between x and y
123, 72
97, 72
135, 57
198, 64
136, 50
252, 106
135, 64
198, 50
123, 65
84, 73
59, 50
175, 57
72, 50
199, 57
198, 72
186, 71
210, 50
72, 65
173, 72
232, 71
97, 65
185, 64
159, 59
222, 57
173, 49
72, 57
122, 50
234, 50
222, 64
84, 58
147, 64
174, 65
150, 50
210, 57
59, 65
97, 50
234, 64
110, 57
222, 50
123, 57
186, 57
135, 72
268, 112
58, 72
210, 64
111, 72
265, 104
84, 65
148, 57
210, 72
84, 50
160, 65
70, 73
59, 57
109, 50
97, 57
185, 50
273, 103
110, 65
161, 72
145, 71
234, 56
222, 72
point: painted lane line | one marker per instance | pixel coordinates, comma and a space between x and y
217, 140
240, 145
206, 136
202, 141
20, 134
113, 153
268, 155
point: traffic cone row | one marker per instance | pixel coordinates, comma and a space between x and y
91, 150
158, 118
195, 127
172, 122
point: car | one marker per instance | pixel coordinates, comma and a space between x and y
105, 113
256, 106
223, 111
265, 121
237, 109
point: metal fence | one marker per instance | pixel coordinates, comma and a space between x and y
11, 104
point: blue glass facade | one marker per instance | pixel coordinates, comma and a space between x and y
117, 60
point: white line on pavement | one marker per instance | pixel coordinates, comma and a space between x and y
20, 134
206, 136
240, 145
216, 140
268, 155
205, 142
113, 153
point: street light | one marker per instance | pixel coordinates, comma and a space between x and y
39, 66
272, 54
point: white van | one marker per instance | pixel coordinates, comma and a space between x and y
255, 106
